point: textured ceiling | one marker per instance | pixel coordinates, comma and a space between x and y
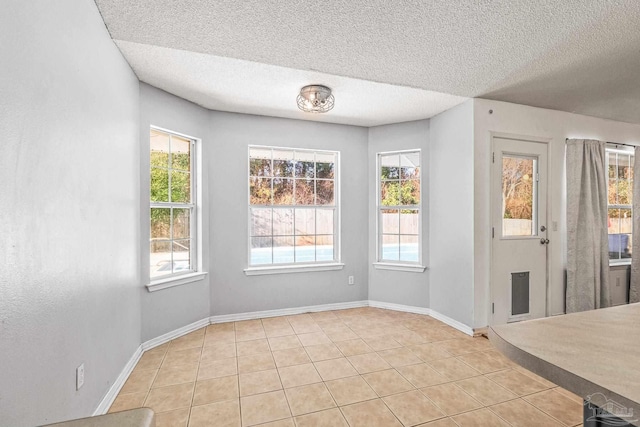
572, 55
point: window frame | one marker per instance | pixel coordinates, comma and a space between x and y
609, 149
277, 268
399, 265
194, 272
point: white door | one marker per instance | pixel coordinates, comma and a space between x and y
519, 230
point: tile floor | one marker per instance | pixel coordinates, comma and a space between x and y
356, 367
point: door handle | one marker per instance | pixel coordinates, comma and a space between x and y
544, 241
543, 228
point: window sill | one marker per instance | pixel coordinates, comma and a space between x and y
620, 263
259, 271
170, 282
412, 268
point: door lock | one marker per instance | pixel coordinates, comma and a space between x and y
544, 241
543, 228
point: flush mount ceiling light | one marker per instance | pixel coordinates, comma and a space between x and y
315, 99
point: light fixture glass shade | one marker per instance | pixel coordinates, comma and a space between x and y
315, 99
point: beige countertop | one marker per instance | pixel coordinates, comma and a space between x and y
589, 352
142, 417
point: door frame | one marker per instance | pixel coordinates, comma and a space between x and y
524, 138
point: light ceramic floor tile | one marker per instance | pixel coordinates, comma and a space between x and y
297, 375
305, 328
480, 418
139, 381
412, 408
382, 343
516, 382
255, 362
259, 382
290, 357
409, 338
399, 357
451, 399
369, 362
421, 375
558, 405
334, 369
353, 347
569, 394
150, 361
220, 414
442, 422
387, 382
519, 413
483, 362
350, 390
219, 337
193, 339
227, 326
263, 408
284, 342
249, 335
321, 352
287, 422
327, 418
314, 338
217, 352
215, 390
170, 397
485, 391
218, 368
189, 356
435, 335
159, 350
175, 418
341, 335
246, 348
429, 351
126, 401
458, 346
175, 375
309, 398
372, 413
272, 332
538, 378
453, 369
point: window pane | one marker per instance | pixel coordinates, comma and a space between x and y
390, 221
613, 192
159, 149
390, 167
160, 223
409, 223
282, 191
283, 222
324, 248
283, 250
409, 248
260, 191
304, 192
305, 222
518, 196
180, 187
305, 250
324, 221
159, 185
304, 164
410, 192
181, 255
410, 165
390, 193
260, 222
390, 247
261, 251
325, 192
325, 164
283, 164
180, 153
160, 258
260, 167
181, 223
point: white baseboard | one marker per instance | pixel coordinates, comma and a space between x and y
111, 395
164, 338
286, 311
451, 322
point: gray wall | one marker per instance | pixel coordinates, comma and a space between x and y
231, 290
69, 282
398, 287
169, 309
451, 207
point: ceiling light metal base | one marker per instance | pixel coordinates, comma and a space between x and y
315, 99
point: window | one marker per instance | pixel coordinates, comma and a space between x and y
172, 245
292, 206
620, 200
399, 207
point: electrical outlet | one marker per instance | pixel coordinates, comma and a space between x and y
79, 376
351, 280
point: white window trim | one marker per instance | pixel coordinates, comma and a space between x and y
336, 264
380, 264
626, 151
197, 273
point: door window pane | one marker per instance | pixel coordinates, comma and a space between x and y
518, 196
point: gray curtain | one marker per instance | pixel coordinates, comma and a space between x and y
634, 290
587, 240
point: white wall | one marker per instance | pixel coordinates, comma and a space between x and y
169, 309
451, 199
69, 282
231, 290
398, 287
536, 122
